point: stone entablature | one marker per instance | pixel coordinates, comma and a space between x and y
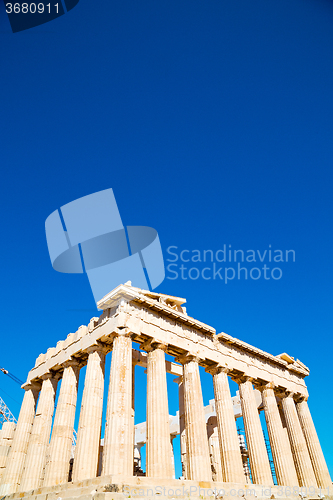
181, 333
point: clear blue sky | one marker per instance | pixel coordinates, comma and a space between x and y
212, 122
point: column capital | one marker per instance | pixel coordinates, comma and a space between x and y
50, 375
34, 385
300, 398
71, 362
217, 368
99, 346
261, 385
241, 379
122, 332
188, 357
287, 394
152, 344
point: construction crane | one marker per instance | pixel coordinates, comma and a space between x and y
5, 413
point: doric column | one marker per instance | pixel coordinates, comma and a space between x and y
158, 451
299, 449
285, 430
259, 462
40, 435
172, 437
282, 457
312, 441
89, 431
198, 459
133, 415
15, 461
214, 449
182, 429
118, 450
7, 433
231, 459
57, 469
133, 399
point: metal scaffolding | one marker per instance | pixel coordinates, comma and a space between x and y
5, 413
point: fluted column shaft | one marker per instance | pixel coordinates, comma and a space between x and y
198, 459
299, 448
15, 461
260, 468
158, 454
7, 433
89, 432
40, 435
118, 450
172, 437
314, 448
231, 459
282, 457
214, 449
133, 413
57, 469
182, 429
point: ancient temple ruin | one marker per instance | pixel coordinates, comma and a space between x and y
38, 462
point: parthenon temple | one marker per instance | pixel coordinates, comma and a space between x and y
39, 459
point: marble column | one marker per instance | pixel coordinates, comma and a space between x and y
7, 433
299, 448
11, 478
40, 435
118, 450
89, 432
158, 451
182, 429
231, 458
133, 400
285, 430
316, 454
282, 457
172, 437
214, 449
198, 459
57, 469
259, 462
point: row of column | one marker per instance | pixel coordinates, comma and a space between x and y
25, 466
26, 463
295, 447
297, 454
